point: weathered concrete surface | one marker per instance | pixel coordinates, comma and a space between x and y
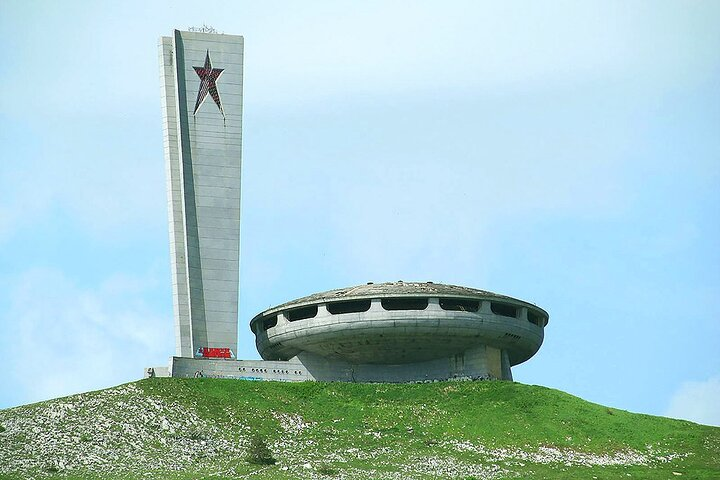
381, 336
292, 371
203, 162
480, 363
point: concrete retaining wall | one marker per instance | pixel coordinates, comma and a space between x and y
290, 371
477, 363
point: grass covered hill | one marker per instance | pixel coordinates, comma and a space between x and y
208, 428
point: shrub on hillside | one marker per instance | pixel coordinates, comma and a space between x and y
197, 435
259, 453
327, 470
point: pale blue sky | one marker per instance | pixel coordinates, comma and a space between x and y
566, 153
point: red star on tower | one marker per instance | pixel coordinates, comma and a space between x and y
208, 76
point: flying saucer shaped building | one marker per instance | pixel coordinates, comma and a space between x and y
402, 332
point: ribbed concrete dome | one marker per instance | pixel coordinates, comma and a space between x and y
399, 323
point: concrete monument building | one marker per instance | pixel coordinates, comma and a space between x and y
202, 79
387, 332
402, 332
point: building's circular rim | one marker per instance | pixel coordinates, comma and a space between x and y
396, 289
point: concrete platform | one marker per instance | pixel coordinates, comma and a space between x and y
480, 363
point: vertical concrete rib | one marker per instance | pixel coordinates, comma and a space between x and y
181, 306
506, 371
193, 262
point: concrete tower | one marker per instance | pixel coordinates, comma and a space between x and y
201, 80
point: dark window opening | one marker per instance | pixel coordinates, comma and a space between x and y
269, 322
404, 303
351, 306
301, 313
459, 304
536, 318
504, 309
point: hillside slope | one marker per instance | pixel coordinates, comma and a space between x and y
202, 428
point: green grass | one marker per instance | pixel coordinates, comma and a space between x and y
464, 430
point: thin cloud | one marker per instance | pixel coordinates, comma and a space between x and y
65, 338
697, 402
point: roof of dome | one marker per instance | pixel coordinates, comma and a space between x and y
391, 289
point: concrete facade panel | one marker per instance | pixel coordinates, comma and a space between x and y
203, 171
217, 202
218, 191
215, 254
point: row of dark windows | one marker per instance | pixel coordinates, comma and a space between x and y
403, 303
269, 322
503, 309
459, 304
301, 313
352, 306
533, 317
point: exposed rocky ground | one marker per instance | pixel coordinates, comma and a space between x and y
163, 429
